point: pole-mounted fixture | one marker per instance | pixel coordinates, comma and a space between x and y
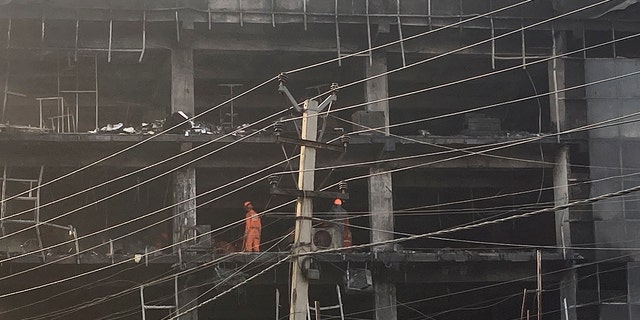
282, 88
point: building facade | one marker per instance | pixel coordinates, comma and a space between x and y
484, 151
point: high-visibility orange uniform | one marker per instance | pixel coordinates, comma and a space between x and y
251, 229
347, 239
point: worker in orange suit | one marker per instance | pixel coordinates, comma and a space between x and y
342, 218
347, 238
252, 229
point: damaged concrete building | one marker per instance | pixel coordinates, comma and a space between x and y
484, 150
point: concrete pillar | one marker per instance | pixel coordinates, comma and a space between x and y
568, 283
182, 97
377, 88
184, 179
381, 208
556, 72
381, 195
184, 190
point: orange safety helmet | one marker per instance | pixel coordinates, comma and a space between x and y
337, 202
246, 204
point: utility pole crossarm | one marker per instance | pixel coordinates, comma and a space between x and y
282, 79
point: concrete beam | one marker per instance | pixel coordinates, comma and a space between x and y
262, 12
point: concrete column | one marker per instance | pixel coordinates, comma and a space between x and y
377, 88
184, 190
381, 195
184, 179
182, 97
568, 283
556, 72
381, 208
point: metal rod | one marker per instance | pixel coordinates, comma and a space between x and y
340, 302
460, 15
144, 317
3, 203
273, 13
68, 114
41, 120
316, 308
74, 232
369, 33
277, 304
613, 38
177, 27
144, 35
175, 292
111, 253
539, 281
404, 60
524, 300
110, 40
304, 13
42, 29
36, 214
95, 59
75, 91
106, 50
77, 37
31, 222
493, 45
338, 34
523, 45
240, 13
77, 95
59, 103
209, 16
554, 65
5, 97
9, 33
429, 14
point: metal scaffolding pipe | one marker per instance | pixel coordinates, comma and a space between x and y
523, 46
110, 40
144, 36
404, 60
304, 13
77, 37
338, 34
369, 34
42, 29
9, 33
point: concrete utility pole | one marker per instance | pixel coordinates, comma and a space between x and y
299, 302
304, 210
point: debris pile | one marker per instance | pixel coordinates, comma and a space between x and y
176, 123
